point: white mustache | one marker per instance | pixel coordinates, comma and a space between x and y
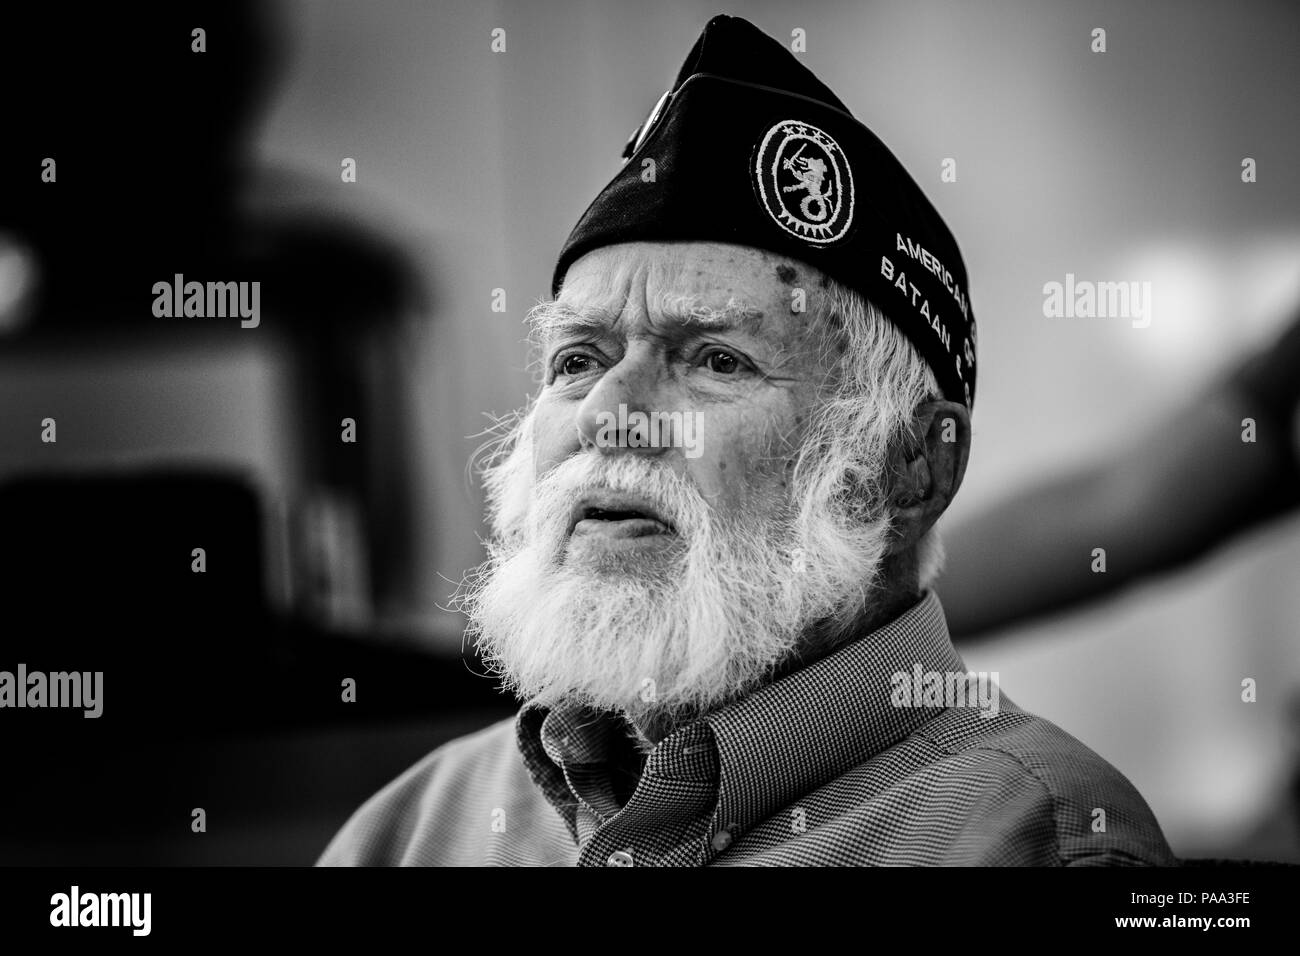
673, 497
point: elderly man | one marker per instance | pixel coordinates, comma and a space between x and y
714, 532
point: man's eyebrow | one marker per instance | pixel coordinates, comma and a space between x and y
547, 320
691, 310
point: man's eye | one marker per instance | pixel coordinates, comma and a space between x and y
724, 363
576, 364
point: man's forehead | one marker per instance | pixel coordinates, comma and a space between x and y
665, 310
710, 285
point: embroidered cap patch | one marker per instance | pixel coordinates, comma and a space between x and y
804, 182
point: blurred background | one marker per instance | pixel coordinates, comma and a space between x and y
329, 560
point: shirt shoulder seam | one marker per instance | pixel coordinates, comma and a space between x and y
992, 748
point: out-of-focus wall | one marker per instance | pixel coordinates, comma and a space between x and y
1116, 166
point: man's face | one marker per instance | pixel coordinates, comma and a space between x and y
700, 337
666, 577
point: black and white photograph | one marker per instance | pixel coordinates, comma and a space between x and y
835, 434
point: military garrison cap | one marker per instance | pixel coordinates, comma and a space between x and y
749, 147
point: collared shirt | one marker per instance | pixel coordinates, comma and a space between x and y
881, 753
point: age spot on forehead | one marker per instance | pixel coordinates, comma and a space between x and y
787, 274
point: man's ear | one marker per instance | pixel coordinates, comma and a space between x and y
929, 467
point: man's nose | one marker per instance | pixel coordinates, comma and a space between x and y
618, 413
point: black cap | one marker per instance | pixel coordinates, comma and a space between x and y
749, 147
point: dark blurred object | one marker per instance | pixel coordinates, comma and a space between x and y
1187, 486
147, 136
152, 181
216, 694
201, 683
150, 140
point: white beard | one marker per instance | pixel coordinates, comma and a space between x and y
676, 635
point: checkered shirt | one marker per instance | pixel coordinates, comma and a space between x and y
830, 765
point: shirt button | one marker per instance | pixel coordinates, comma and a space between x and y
721, 840
619, 858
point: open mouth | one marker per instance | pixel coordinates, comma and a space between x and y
617, 515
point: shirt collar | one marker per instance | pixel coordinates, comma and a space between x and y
796, 734
776, 744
